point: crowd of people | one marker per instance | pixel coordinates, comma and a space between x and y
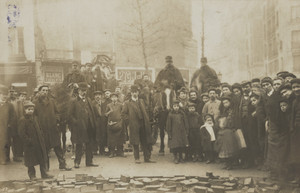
250, 124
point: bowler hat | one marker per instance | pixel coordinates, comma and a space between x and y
114, 94
255, 80
134, 88
82, 86
98, 92
44, 85
285, 86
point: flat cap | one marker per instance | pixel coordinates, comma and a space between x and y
28, 104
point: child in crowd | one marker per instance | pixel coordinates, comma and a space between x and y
194, 122
34, 145
115, 129
208, 138
177, 129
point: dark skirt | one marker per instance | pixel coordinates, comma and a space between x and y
226, 144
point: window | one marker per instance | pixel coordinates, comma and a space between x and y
296, 63
296, 39
295, 13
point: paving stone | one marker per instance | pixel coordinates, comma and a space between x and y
121, 190
272, 189
203, 178
217, 182
60, 177
218, 189
138, 184
80, 177
200, 189
99, 186
234, 191
114, 180
170, 183
69, 186
108, 187
251, 190
248, 181
86, 188
264, 184
47, 190
229, 184
160, 190
206, 184
152, 187
125, 178
209, 174
171, 188
80, 183
90, 183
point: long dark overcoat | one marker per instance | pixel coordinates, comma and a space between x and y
207, 144
34, 145
115, 132
47, 116
177, 128
130, 116
80, 133
294, 155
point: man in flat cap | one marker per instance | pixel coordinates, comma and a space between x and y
83, 126
47, 115
74, 77
134, 113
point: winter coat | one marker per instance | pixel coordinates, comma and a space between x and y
47, 116
6, 113
177, 128
99, 122
82, 121
34, 145
194, 122
205, 138
294, 155
13, 123
115, 132
134, 114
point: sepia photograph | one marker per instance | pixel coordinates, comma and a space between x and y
149, 96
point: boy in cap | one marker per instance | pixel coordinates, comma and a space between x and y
35, 152
115, 131
194, 122
177, 129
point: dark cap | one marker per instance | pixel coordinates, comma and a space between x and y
176, 102
206, 116
190, 104
114, 94
107, 90
295, 81
204, 94
134, 88
238, 86
290, 75
98, 92
225, 97
182, 89
204, 60
255, 80
23, 93
245, 82
210, 89
28, 104
282, 74
225, 84
285, 86
193, 90
82, 86
44, 85
267, 79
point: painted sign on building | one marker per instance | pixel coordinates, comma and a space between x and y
127, 75
53, 75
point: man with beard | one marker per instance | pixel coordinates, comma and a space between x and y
294, 156
47, 116
82, 122
134, 113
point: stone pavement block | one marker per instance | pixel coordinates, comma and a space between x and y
80, 177
46, 190
272, 189
122, 185
152, 187
203, 178
218, 189
264, 184
206, 184
217, 182
125, 178
171, 188
138, 184
120, 190
80, 183
200, 189
234, 191
99, 186
113, 180
229, 184
86, 188
89, 183
69, 186
248, 181
60, 177
108, 187
251, 190
162, 190
170, 183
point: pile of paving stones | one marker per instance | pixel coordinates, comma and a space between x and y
154, 184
